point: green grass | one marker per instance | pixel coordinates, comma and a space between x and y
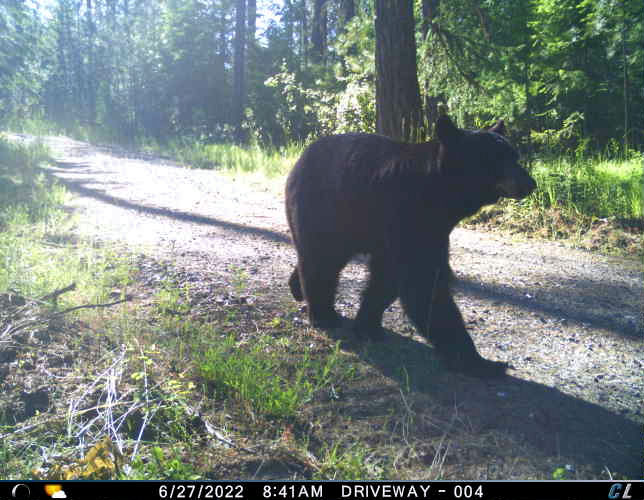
236, 159
595, 187
167, 464
35, 126
594, 203
256, 376
76, 130
353, 463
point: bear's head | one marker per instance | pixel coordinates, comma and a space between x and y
484, 160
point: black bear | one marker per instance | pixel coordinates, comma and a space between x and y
367, 194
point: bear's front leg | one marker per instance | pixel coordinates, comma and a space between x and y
428, 302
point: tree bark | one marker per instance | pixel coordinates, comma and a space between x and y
318, 33
304, 36
252, 22
251, 41
398, 106
239, 86
91, 64
625, 76
348, 10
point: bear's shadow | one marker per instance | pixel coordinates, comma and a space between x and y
546, 419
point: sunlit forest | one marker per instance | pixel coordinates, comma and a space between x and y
161, 317
567, 75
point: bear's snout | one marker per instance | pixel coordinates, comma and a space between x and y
516, 184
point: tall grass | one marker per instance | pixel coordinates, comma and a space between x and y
271, 162
595, 187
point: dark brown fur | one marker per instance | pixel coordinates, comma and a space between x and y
364, 193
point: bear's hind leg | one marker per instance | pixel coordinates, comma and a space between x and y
380, 293
319, 282
295, 285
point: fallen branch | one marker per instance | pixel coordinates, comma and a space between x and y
88, 306
10, 330
57, 293
42, 300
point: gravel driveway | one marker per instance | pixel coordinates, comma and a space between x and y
569, 322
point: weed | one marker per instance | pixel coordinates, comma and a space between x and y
172, 300
250, 376
233, 158
560, 473
254, 376
161, 465
16, 462
354, 463
239, 280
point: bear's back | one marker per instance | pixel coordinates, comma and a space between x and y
357, 161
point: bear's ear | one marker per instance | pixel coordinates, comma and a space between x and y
498, 128
446, 131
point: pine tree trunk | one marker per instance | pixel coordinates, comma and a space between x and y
625, 77
348, 10
251, 43
304, 36
252, 22
239, 85
318, 31
398, 106
91, 65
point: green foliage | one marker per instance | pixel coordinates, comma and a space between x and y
16, 461
237, 159
161, 465
21, 46
560, 473
540, 64
355, 46
301, 112
255, 375
562, 140
306, 112
596, 187
353, 463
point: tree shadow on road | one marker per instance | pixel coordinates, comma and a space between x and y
80, 186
